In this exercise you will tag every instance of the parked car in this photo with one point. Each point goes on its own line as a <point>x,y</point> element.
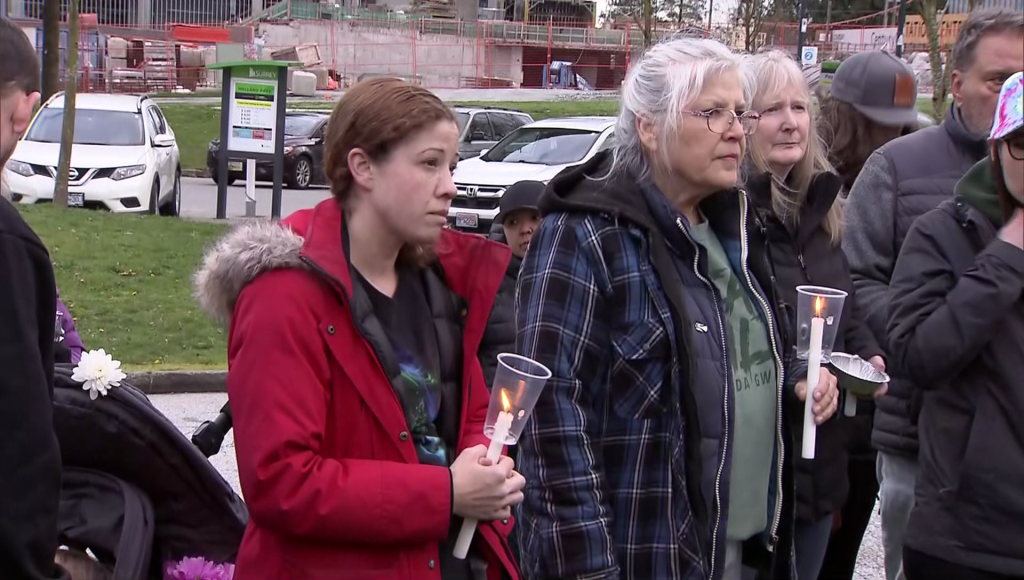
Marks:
<point>303,153</point>
<point>125,157</point>
<point>481,128</point>
<point>537,151</point>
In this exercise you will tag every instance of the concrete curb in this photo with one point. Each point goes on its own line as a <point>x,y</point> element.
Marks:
<point>195,173</point>
<point>168,382</point>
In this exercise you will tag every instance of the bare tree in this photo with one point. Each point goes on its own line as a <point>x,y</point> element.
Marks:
<point>51,48</point>
<point>932,16</point>
<point>67,137</point>
<point>646,13</point>
<point>751,15</point>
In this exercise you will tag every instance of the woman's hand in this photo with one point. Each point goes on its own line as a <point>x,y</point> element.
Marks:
<point>826,396</point>
<point>879,363</point>
<point>484,490</point>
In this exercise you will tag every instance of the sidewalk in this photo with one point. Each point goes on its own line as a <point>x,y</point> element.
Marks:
<point>189,411</point>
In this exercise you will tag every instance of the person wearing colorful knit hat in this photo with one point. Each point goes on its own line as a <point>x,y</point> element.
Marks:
<point>957,327</point>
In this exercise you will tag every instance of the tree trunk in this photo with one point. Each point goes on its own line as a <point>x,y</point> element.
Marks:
<point>51,48</point>
<point>933,23</point>
<point>67,137</point>
<point>648,41</point>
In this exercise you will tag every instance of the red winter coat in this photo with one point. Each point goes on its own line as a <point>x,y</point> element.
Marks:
<point>328,470</point>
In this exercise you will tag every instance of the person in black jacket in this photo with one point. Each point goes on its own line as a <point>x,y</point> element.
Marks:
<point>30,464</point>
<point>518,217</point>
<point>901,181</point>
<point>957,329</point>
<point>796,194</point>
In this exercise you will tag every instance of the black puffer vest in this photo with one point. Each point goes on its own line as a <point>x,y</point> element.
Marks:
<point>805,254</point>
<point>926,165</point>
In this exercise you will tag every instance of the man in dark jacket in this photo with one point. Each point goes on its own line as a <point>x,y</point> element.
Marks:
<point>957,330</point>
<point>518,217</point>
<point>901,181</point>
<point>30,469</point>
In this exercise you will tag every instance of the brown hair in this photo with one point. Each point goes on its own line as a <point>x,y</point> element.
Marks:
<point>375,116</point>
<point>1007,202</point>
<point>850,137</point>
<point>20,68</point>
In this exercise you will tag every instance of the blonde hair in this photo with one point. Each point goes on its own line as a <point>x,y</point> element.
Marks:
<point>769,74</point>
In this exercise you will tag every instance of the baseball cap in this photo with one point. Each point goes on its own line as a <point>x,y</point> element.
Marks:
<point>519,195</point>
<point>1010,110</point>
<point>880,86</point>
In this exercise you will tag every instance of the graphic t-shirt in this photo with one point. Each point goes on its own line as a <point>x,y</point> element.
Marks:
<point>407,321</point>
<point>754,393</point>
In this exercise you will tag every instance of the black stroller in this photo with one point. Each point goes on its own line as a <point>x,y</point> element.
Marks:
<point>136,492</point>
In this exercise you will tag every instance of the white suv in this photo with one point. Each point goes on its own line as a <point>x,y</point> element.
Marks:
<point>538,151</point>
<point>125,157</point>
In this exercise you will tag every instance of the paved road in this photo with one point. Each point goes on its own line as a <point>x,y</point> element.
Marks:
<point>189,411</point>
<point>199,198</point>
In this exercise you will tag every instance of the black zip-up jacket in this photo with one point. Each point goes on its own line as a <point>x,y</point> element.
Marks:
<point>500,334</point>
<point>30,464</point>
<point>805,254</point>
<point>957,329</point>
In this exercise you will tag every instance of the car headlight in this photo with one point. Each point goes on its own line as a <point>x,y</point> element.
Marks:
<point>20,167</point>
<point>126,172</point>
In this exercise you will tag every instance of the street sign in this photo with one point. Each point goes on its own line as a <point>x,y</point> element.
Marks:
<point>809,55</point>
<point>253,111</point>
<point>251,127</point>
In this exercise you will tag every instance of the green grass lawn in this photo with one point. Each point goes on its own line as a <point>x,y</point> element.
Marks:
<point>127,281</point>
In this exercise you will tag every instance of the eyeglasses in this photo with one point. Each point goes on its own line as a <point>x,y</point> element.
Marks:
<point>1015,148</point>
<point>720,120</point>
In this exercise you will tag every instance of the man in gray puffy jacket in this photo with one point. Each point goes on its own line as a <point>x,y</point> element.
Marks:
<point>900,182</point>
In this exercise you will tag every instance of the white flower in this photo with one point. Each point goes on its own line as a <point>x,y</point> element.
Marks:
<point>99,372</point>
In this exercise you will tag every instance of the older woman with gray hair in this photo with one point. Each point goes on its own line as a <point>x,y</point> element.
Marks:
<point>658,448</point>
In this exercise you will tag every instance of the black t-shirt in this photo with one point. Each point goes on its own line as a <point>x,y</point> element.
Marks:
<point>407,320</point>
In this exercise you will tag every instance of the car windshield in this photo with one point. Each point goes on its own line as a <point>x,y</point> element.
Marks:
<point>92,127</point>
<point>543,146</point>
<point>461,119</point>
<point>300,125</point>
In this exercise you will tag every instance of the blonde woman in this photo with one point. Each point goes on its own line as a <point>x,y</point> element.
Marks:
<point>796,194</point>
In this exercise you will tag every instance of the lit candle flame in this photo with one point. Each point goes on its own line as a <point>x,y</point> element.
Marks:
<point>505,403</point>
<point>819,303</point>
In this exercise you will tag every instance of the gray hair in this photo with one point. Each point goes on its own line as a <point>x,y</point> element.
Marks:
<point>980,24</point>
<point>659,87</point>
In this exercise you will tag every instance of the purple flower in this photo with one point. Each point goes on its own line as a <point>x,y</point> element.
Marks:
<point>198,569</point>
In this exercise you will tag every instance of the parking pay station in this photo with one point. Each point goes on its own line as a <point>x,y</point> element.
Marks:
<point>252,126</point>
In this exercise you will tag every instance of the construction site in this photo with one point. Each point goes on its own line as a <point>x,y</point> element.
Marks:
<point>166,45</point>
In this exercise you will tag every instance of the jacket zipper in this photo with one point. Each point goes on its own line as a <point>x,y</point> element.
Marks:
<point>725,399</point>
<point>780,374</point>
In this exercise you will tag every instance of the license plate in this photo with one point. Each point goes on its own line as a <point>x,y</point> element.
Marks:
<point>234,166</point>
<point>466,220</point>
<point>76,199</point>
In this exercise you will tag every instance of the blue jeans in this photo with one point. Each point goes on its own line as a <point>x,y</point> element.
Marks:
<point>810,543</point>
<point>897,476</point>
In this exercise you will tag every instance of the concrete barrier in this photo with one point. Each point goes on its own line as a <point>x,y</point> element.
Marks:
<point>167,382</point>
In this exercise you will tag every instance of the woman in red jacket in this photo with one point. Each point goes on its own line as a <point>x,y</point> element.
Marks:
<point>357,395</point>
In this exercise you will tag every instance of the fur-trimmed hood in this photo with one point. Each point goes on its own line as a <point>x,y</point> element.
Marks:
<point>239,258</point>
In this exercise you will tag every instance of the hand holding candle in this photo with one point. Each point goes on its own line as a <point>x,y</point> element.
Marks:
<point>818,313</point>
<point>517,385</point>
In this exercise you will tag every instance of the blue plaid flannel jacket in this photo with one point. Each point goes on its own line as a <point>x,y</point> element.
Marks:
<point>598,471</point>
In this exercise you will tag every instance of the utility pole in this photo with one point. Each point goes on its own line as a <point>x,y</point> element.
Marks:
<point>901,23</point>
<point>711,12</point>
<point>802,36</point>
<point>828,23</point>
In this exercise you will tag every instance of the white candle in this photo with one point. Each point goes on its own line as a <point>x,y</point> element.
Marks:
<point>813,373</point>
<point>850,406</point>
<point>501,429</point>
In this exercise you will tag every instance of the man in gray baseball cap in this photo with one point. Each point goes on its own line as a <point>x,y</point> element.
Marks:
<point>880,86</point>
